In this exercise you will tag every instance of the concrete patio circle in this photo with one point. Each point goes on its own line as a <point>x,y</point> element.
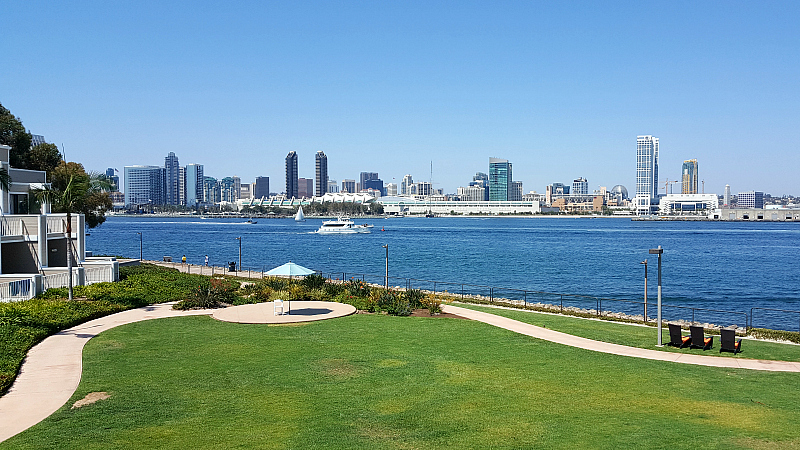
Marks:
<point>299,311</point>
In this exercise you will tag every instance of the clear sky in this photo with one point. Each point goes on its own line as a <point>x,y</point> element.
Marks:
<point>561,89</point>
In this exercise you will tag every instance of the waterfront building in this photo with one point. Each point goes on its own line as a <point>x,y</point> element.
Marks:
<point>144,185</point>
<point>244,191</point>
<point>471,194</point>
<point>481,180</point>
<point>580,187</point>
<point>212,192</point>
<point>349,186</point>
<point>321,173</point>
<point>405,186</point>
<point>727,198</point>
<point>750,199</point>
<point>687,204</point>
<point>237,186</point>
<point>305,187</point>
<point>689,177</point>
<point>516,191</point>
<point>261,189</point>
<point>555,191</point>
<point>423,188</point>
<point>37,139</point>
<point>194,184</point>
<point>646,175</point>
<point>172,171</point>
<point>618,195</point>
<point>532,196</point>
<point>391,189</point>
<point>422,205</point>
<point>333,186</point>
<point>500,177</point>
<point>282,201</point>
<point>581,203</point>
<point>291,175</point>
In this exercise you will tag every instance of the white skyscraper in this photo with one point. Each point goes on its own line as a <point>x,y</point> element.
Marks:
<point>646,175</point>
<point>727,199</point>
<point>405,186</point>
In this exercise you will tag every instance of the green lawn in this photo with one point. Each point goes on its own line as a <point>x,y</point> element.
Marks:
<point>639,336</point>
<point>374,381</point>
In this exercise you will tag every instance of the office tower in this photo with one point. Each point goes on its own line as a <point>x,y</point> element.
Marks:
<point>113,178</point>
<point>173,171</point>
<point>471,194</point>
<point>423,188</point>
<point>322,173</point>
<point>516,191</point>
<point>262,187</point>
<point>481,180</point>
<point>291,175</point>
<point>366,176</point>
<point>750,199</point>
<point>580,187</point>
<point>228,192</point>
<point>646,174</point>
<point>373,183</point>
<point>727,198</point>
<point>144,185</point>
<point>37,139</point>
<point>305,188</point>
<point>237,187</point>
<point>689,177</point>
<point>194,184</point>
<point>349,186</point>
<point>244,191</point>
<point>500,177</point>
<point>405,185</point>
<point>391,189</point>
<point>211,190</point>
<point>333,187</point>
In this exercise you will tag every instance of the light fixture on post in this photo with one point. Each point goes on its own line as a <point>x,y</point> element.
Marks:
<point>645,289</point>
<point>658,251</point>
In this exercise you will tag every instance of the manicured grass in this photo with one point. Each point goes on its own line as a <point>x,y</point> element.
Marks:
<point>375,381</point>
<point>639,336</point>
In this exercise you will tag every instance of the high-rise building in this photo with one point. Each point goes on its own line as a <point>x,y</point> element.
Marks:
<point>244,191</point>
<point>689,177</point>
<point>305,188</point>
<point>500,177</point>
<point>471,194</point>
<point>391,188</point>
<point>516,191</point>
<point>211,190</point>
<point>291,175</point>
<point>173,179</point>
<point>481,180</point>
<point>366,176</point>
<point>349,186</point>
<point>555,191</point>
<point>262,187</point>
<point>113,178</point>
<point>646,175</point>
<point>751,199</point>
<point>37,139</point>
<point>405,185</point>
<point>194,184</point>
<point>228,189</point>
<point>373,183</point>
<point>144,185</point>
<point>321,173</point>
<point>727,198</point>
<point>580,187</point>
<point>333,187</point>
<point>423,188</point>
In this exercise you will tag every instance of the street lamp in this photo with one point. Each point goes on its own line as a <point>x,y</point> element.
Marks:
<point>140,245</point>
<point>240,252</point>
<point>658,251</point>
<point>645,289</point>
<point>386,280</point>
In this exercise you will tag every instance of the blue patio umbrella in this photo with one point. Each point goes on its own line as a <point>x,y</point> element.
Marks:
<point>290,269</point>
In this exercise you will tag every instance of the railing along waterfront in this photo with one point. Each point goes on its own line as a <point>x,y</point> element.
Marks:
<point>558,302</point>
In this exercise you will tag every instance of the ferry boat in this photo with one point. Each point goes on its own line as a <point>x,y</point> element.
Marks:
<point>343,225</point>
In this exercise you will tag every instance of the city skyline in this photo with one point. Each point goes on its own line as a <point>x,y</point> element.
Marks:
<point>558,89</point>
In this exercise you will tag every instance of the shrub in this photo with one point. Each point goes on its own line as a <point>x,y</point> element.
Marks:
<point>280,295</point>
<point>414,298</point>
<point>334,289</point>
<point>432,303</point>
<point>318,295</point>
<point>313,281</point>
<point>213,294</point>
<point>394,304</point>
<point>357,288</point>
<point>276,283</point>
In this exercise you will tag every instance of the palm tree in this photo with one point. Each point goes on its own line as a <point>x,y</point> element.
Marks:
<point>72,187</point>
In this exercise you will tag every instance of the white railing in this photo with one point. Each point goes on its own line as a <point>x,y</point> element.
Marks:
<point>58,280</point>
<point>11,226</point>
<point>56,224</point>
<point>99,274</point>
<point>17,290</point>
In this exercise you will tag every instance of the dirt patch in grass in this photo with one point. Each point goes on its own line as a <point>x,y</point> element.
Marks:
<point>424,313</point>
<point>90,398</point>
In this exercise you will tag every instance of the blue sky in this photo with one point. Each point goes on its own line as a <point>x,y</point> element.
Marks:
<point>561,89</point>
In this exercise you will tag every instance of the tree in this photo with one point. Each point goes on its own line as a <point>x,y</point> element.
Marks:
<point>71,191</point>
<point>45,157</point>
<point>13,134</point>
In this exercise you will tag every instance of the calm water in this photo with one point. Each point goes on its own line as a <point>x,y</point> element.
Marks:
<point>718,265</point>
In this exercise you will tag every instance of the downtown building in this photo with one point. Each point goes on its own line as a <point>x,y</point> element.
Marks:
<point>321,166</point>
<point>145,185</point>
<point>500,177</point>
<point>689,177</point>
<point>647,198</point>
<point>292,187</point>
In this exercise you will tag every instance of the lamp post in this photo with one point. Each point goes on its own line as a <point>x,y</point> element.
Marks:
<point>240,252</point>
<point>141,246</point>
<point>658,251</point>
<point>386,280</point>
<point>645,289</point>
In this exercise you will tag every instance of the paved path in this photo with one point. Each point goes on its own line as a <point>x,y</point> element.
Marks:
<point>301,311</point>
<point>52,369</point>
<point>604,347</point>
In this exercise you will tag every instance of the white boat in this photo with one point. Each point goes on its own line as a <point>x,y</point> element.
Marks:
<point>299,217</point>
<point>343,225</point>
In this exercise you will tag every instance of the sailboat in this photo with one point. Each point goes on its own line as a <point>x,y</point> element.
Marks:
<point>299,217</point>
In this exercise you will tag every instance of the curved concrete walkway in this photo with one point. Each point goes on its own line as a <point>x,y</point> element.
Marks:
<point>297,311</point>
<point>616,349</point>
<point>52,369</point>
